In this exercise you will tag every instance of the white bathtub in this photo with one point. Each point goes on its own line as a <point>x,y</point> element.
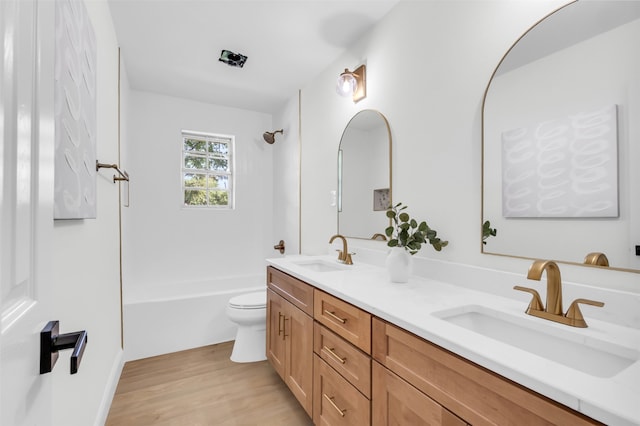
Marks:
<point>171,318</point>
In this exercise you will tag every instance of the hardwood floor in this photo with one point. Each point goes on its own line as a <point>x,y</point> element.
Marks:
<point>202,387</point>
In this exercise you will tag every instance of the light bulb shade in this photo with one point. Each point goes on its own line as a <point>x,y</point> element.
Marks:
<point>346,84</point>
<point>353,83</point>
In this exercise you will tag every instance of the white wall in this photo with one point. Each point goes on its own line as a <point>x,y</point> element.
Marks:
<point>428,64</point>
<point>86,263</point>
<point>286,178</point>
<point>165,243</point>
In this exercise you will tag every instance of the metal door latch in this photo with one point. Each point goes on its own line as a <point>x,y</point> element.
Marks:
<point>51,341</point>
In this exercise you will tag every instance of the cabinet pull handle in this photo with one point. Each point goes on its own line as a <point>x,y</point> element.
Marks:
<point>334,316</point>
<point>280,323</point>
<point>284,327</point>
<point>333,404</point>
<point>335,355</point>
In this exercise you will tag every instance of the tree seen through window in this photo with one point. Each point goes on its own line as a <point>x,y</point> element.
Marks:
<point>207,173</point>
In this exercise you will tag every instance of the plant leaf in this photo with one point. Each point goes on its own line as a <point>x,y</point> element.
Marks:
<point>412,235</point>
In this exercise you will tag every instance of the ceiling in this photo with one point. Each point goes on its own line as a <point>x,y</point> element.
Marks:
<point>172,46</point>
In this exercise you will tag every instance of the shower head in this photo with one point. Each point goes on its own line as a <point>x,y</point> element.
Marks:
<point>270,137</point>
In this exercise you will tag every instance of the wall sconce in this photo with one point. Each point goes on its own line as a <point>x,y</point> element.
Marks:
<point>353,83</point>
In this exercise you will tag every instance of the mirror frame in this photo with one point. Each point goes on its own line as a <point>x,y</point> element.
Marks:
<point>482,166</point>
<point>338,161</point>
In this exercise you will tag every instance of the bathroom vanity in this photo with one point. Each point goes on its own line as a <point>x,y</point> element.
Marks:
<point>356,349</point>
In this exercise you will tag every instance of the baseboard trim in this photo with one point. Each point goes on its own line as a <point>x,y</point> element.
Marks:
<point>110,389</point>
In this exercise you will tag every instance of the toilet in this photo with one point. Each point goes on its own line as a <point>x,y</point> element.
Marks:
<point>249,312</point>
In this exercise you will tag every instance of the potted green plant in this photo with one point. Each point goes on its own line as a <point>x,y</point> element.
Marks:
<point>406,238</point>
<point>488,231</point>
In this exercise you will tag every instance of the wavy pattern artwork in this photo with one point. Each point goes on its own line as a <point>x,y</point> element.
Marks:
<point>565,167</point>
<point>75,112</point>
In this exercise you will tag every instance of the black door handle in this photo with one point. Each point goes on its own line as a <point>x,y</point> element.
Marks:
<point>51,341</point>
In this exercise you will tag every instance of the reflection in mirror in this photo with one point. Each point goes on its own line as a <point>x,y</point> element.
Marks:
<point>569,89</point>
<point>364,176</point>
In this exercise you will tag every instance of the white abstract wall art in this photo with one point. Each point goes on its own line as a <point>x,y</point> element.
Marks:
<point>75,112</point>
<point>565,167</point>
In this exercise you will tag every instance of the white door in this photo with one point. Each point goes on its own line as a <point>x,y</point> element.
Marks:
<point>26,207</point>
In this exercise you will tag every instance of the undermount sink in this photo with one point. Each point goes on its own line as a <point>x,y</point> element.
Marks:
<point>568,347</point>
<point>318,265</point>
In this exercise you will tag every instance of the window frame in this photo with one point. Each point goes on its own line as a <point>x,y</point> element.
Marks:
<point>229,173</point>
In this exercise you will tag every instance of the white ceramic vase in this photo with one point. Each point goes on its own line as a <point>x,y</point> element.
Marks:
<point>399,263</point>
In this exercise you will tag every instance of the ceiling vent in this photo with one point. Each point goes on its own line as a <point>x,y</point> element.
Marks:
<point>232,59</point>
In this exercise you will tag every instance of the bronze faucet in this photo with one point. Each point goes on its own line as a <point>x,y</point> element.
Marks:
<point>343,255</point>
<point>597,259</point>
<point>553,309</point>
<point>554,283</point>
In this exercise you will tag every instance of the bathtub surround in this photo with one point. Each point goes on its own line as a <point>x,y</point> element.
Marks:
<point>196,258</point>
<point>183,315</point>
<point>286,178</point>
<point>166,243</point>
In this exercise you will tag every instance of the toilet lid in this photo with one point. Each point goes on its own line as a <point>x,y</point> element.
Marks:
<point>256,300</point>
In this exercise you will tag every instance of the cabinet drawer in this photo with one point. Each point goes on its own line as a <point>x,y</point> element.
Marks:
<point>473,393</point>
<point>396,402</point>
<point>346,359</point>
<point>335,401</point>
<point>292,289</point>
<point>349,322</point>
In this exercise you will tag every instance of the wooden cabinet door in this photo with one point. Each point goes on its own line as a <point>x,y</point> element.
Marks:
<point>290,347</point>
<point>298,329</point>
<point>276,344</point>
<point>397,403</point>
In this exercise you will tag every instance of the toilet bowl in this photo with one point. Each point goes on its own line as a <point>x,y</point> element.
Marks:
<point>249,312</point>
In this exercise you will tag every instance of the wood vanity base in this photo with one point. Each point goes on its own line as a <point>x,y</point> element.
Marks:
<point>347,367</point>
<point>473,393</point>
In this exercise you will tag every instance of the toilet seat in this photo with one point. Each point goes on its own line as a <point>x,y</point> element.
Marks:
<point>255,300</point>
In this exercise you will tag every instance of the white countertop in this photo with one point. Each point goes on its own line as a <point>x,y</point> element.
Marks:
<point>612,400</point>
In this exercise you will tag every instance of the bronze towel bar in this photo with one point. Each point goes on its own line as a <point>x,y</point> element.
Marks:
<point>123,174</point>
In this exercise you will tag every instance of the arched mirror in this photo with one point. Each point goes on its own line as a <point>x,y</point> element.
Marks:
<point>561,138</point>
<point>364,176</point>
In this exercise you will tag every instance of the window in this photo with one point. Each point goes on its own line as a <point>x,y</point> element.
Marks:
<point>207,170</point>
